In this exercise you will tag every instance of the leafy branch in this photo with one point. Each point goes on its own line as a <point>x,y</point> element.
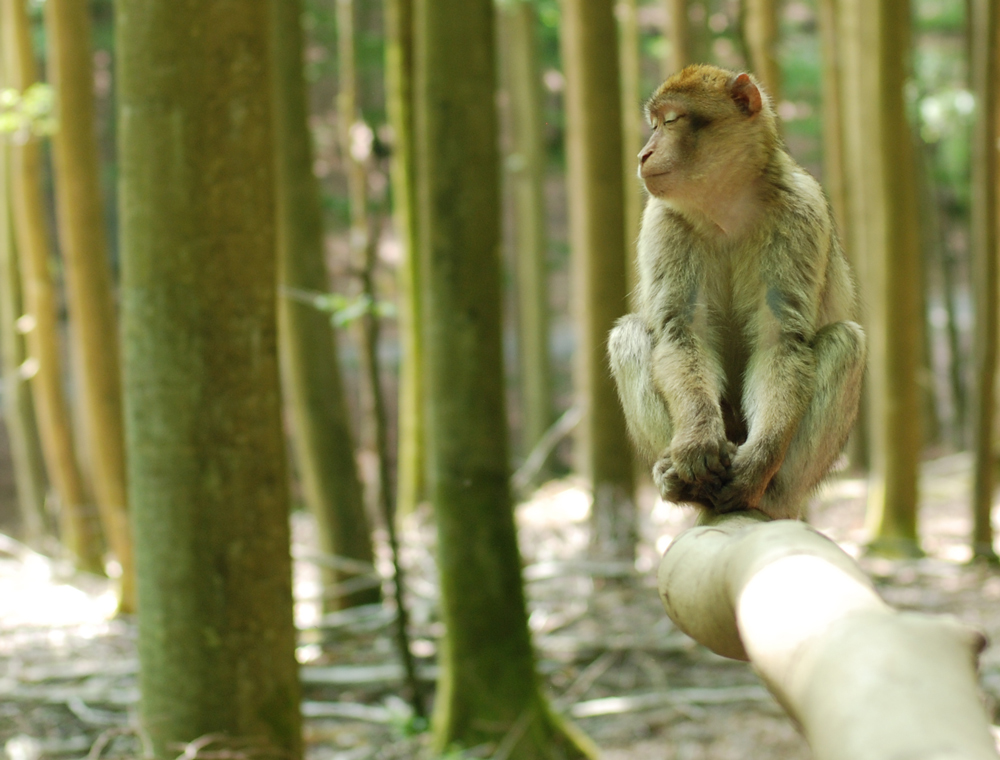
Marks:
<point>343,310</point>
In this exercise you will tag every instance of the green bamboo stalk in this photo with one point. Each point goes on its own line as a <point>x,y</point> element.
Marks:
<point>79,530</point>
<point>83,241</point>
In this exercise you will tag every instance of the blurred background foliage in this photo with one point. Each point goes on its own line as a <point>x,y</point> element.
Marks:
<point>942,108</point>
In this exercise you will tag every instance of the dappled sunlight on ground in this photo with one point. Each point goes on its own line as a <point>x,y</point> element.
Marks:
<point>37,591</point>
<point>555,503</point>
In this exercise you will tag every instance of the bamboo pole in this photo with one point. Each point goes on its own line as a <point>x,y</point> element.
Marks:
<point>883,236</point>
<point>589,40</point>
<point>80,534</point>
<point>633,130</point>
<point>985,64</point>
<point>323,443</point>
<point>679,53</point>
<point>411,481</point>
<point>363,244</point>
<point>18,409</point>
<point>83,240</point>
<point>526,175</point>
<point>761,28</point>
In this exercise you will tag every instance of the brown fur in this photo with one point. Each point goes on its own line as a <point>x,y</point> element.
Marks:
<point>740,373</point>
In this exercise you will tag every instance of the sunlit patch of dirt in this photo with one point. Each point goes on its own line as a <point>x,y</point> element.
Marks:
<point>609,656</point>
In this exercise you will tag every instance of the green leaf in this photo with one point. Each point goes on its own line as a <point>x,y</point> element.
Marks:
<point>352,311</point>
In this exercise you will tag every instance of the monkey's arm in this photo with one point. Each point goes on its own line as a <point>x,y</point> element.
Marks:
<point>687,373</point>
<point>683,370</point>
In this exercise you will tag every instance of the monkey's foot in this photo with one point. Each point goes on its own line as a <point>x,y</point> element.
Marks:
<point>673,488</point>
<point>739,493</point>
<point>701,459</point>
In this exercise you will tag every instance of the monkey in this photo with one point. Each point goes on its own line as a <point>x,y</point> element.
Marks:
<point>740,370</point>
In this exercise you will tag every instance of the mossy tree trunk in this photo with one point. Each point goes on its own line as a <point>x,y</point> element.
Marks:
<point>323,443</point>
<point>79,529</point>
<point>526,176</point>
<point>83,241</point>
<point>412,465</point>
<point>985,175</point>
<point>884,232</point>
<point>488,691</point>
<point>207,477</point>
<point>761,25</point>
<point>597,236</point>
<point>18,409</point>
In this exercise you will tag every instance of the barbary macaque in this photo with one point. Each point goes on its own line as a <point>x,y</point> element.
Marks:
<point>740,372</point>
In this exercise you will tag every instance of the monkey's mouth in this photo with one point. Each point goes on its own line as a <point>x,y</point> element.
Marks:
<point>658,179</point>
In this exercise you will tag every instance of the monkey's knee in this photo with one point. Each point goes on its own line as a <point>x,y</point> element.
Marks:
<point>630,348</point>
<point>840,350</point>
<point>841,346</point>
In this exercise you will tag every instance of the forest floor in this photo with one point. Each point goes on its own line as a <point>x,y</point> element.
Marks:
<point>610,657</point>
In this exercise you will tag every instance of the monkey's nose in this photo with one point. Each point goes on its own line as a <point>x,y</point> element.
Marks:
<point>643,155</point>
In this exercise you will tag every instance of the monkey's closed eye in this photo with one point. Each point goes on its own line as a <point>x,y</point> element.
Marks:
<point>671,118</point>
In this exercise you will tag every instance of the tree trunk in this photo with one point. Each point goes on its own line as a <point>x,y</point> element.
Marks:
<point>80,531</point>
<point>931,423</point>
<point>18,409</point>
<point>985,175</point>
<point>863,681</point>
<point>836,173</point>
<point>488,690</point>
<point>597,234</point>
<point>761,24</point>
<point>207,477</point>
<point>411,481</point>
<point>93,323</point>
<point>834,168</point>
<point>634,131</point>
<point>363,242</point>
<point>948,262</point>
<point>956,362</point>
<point>679,53</point>
<point>526,175</point>
<point>322,439</point>
<point>884,205</point>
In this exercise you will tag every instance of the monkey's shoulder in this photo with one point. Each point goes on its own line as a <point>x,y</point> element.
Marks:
<point>796,198</point>
<point>667,241</point>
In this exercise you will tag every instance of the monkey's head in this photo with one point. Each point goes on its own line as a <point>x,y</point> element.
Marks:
<point>712,129</point>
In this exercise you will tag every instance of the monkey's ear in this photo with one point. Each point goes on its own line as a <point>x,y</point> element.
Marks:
<point>745,94</point>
